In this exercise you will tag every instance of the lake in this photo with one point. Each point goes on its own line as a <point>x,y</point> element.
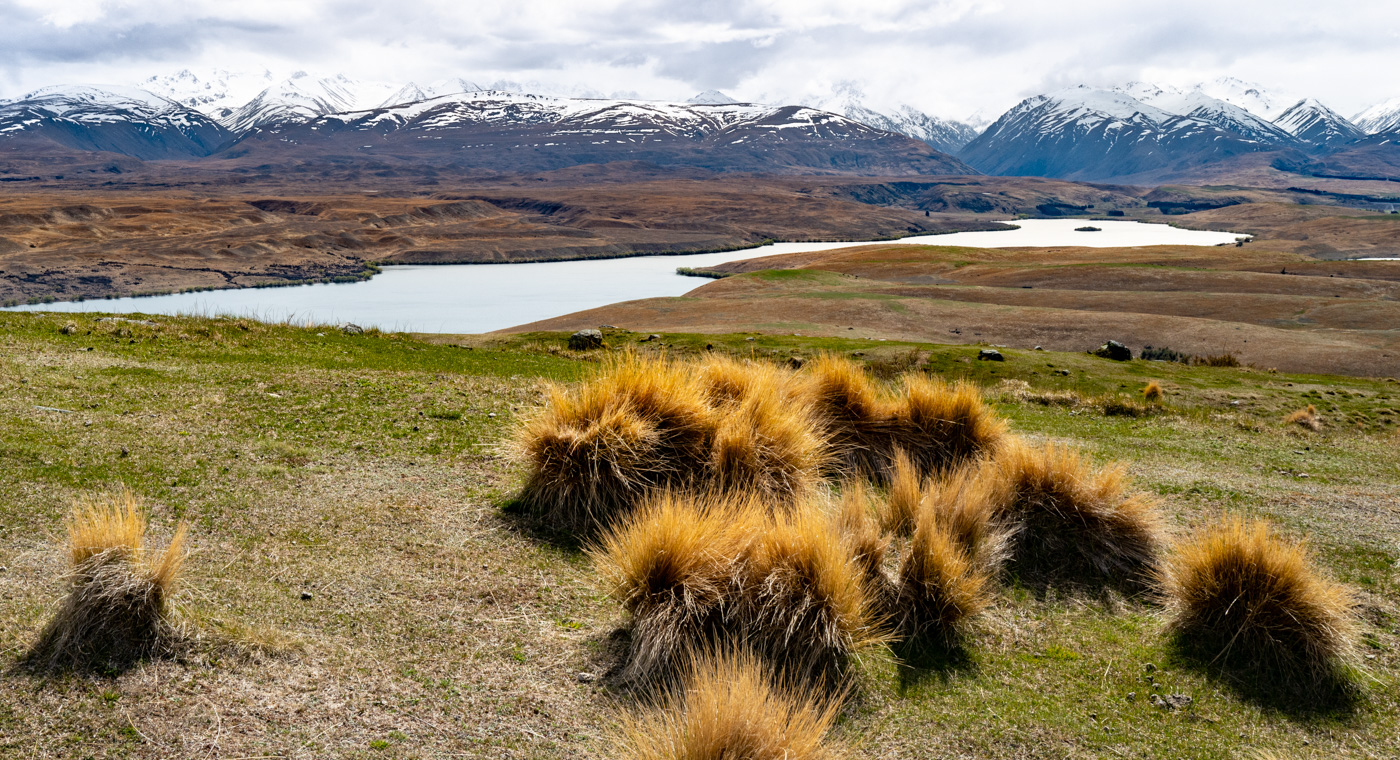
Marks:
<point>475,298</point>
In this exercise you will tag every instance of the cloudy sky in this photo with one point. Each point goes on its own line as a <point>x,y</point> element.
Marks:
<point>948,57</point>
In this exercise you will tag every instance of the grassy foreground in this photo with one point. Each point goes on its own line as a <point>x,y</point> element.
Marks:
<point>359,592</point>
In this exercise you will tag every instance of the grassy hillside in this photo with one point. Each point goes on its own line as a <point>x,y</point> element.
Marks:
<point>358,590</point>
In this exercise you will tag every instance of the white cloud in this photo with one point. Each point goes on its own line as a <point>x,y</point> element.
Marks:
<point>950,57</point>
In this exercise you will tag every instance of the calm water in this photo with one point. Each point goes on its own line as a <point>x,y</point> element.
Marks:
<point>474,298</point>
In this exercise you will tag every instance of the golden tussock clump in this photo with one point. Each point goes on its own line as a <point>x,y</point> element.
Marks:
<point>1070,520</point>
<point>732,707</point>
<point>938,426</point>
<point>858,526</point>
<point>598,448</point>
<point>904,498</point>
<point>117,607</point>
<point>643,423</point>
<point>1152,393</point>
<point>940,586</point>
<point>1239,595</point>
<point>672,564</point>
<point>969,504</point>
<point>804,601</point>
<point>1304,418</point>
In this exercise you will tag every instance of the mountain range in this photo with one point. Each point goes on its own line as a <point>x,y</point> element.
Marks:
<point>1137,131</point>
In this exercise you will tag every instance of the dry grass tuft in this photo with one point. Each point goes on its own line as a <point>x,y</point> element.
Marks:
<point>943,426</point>
<point>732,708</point>
<point>768,446</point>
<point>117,608</point>
<point>1071,521</point>
<point>1152,392</point>
<point>672,564</point>
<point>941,588</point>
<point>857,523</point>
<point>968,505</point>
<point>1240,596</point>
<point>804,600</point>
<point>1305,418</point>
<point>597,449</point>
<point>906,495</point>
<point>938,426</point>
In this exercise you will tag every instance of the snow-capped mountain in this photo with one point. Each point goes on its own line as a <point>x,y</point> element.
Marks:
<point>1196,104</point>
<point>413,92</point>
<point>1316,124</point>
<point>1254,98</point>
<point>848,99</point>
<point>711,98</point>
<point>303,97</point>
<point>112,118</point>
<point>1086,133</point>
<point>215,93</point>
<point>1379,118</point>
<point>517,132</point>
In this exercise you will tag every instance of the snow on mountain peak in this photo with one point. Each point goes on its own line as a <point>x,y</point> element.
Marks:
<point>1313,122</point>
<point>712,98</point>
<point>1381,117</point>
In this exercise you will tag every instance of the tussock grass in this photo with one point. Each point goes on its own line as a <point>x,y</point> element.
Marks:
<point>642,424</point>
<point>968,504</point>
<point>117,607</point>
<point>941,588</point>
<point>1071,521</point>
<point>1304,418</point>
<point>1152,393</point>
<point>1243,598</point>
<point>598,448</point>
<point>804,600</point>
<point>859,526</point>
<point>672,564</point>
<point>733,707</point>
<point>905,497</point>
<point>937,425</point>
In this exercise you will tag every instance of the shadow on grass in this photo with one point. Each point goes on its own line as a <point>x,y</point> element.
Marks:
<point>925,661</point>
<point>519,517</point>
<point>1294,690</point>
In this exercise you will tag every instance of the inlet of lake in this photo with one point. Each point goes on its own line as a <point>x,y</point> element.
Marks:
<point>476,298</point>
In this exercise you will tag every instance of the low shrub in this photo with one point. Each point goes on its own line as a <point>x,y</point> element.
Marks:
<point>1218,360</point>
<point>117,608</point>
<point>1163,354</point>
<point>1241,597</point>
<point>733,707</point>
<point>1152,393</point>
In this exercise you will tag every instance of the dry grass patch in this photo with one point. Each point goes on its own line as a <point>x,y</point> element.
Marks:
<point>1152,393</point>
<point>117,608</point>
<point>1244,599</point>
<point>732,708</point>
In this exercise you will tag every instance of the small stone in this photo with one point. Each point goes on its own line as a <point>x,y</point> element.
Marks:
<point>587,677</point>
<point>125,453</point>
<point>1149,667</point>
<point>491,415</point>
<point>1115,351</point>
<point>1063,372</point>
<point>653,336</point>
<point>88,423</point>
<point>320,335</point>
<point>607,327</point>
<point>709,346</point>
<point>69,329</point>
<point>1038,348</point>
<point>305,596</point>
<point>350,328</point>
<point>750,339</point>
<point>794,362</point>
<point>990,355</point>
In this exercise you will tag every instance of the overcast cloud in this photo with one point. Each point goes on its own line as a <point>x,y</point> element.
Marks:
<point>948,57</point>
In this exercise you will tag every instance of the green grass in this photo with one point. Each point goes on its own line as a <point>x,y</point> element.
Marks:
<point>367,471</point>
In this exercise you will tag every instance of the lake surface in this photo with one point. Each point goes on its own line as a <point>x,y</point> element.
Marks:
<point>475,298</point>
